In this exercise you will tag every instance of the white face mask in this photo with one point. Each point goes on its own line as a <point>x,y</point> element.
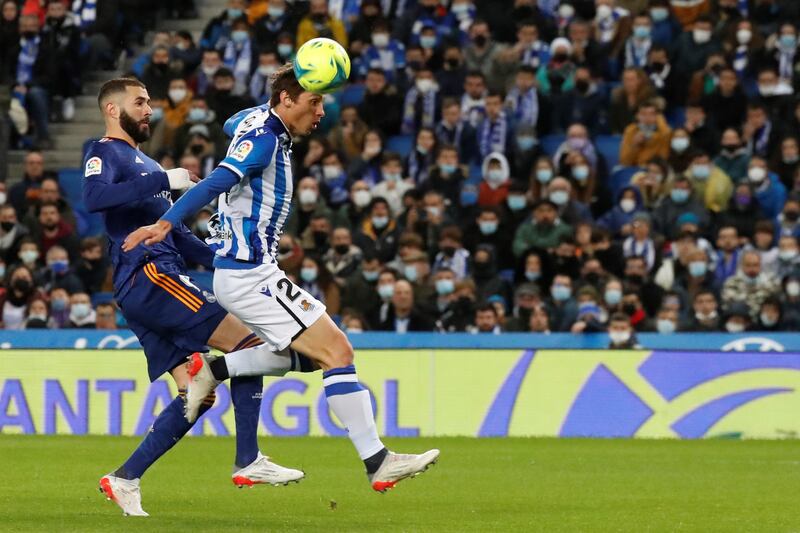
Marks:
<point>793,289</point>
<point>744,36</point>
<point>331,171</point>
<point>3,198</point>
<point>734,327</point>
<point>307,196</point>
<point>706,316</point>
<point>603,12</point>
<point>425,85</point>
<point>362,198</point>
<point>627,205</point>
<point>267,70</point>
<point>177,95</point>
<point>701,36</point>
<point>381,40</point>
<point>619,337</point>
<point>756,174</point>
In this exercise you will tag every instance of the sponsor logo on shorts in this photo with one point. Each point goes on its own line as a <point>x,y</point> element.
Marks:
<point>94,166</point>
<point>305,305</point>
<point>241,152</point>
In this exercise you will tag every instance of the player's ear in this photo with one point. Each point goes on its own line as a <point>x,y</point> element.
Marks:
<point>112,109</point>
<point>286,99</point>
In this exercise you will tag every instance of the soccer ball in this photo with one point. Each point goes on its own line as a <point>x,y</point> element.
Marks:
<point>321,65</point>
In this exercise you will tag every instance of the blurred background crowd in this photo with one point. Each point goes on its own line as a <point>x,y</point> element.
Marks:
<point>514,165</point>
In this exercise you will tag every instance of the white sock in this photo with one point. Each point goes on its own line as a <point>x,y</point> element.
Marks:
<point>352,406</point>
<point>260,361</point>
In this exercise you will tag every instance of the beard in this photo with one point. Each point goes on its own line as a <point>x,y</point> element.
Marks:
<point>139,131</point>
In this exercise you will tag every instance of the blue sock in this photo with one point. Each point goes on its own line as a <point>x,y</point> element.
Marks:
<point>246,396</point>
<point>167,430</point>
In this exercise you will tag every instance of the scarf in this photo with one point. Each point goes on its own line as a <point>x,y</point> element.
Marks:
<point>636,52</point>
<point>450,136</point>
<point>524,107</point>
<point>740,60</point>
<point>659,78</point>
<point>725,270</point>
<point>418,166</point>
<point>86,11</point>
<point>473,110</point>
<point>238,60</point>
<point>744,9</point>
<point>28,51</point>
<point>608,26</point>
<point>761,139</point>
<point>419,110</point>
<point>536,55</point>
<point>646,250</point>
<point>786,62</point>
<point>492,135</point>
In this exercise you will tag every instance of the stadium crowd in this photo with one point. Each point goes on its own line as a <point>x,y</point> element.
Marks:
<point>518,165</point>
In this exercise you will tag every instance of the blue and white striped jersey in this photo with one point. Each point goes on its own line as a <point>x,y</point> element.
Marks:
<point>252,213</point>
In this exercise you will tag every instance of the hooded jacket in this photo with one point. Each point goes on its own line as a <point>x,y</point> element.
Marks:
<point>614,219</point>
<point>491,194</point>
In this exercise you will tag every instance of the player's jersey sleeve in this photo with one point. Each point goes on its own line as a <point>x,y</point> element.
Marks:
<point>102,188</point>
<point>251,154</point>
<point>233,122</point>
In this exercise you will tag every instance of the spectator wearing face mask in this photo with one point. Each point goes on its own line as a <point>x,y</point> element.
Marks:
<point>709,182</point>
<point>562,306</point>
<point>737,318</point>
<point>57,273</point>
<point>378,234</point>
<point>448,175</point>
<point>202,80</point>
<point>318,23</point>
<point>217,32</point>
<point>493,189</point>
<point>618,220</point>
<point>452,255</point>
<point>352,213</point>
<point>81,314</point>
<point>384,52</point>
<point>158,74</point>
<point>392,187</point>
<point>319,283</point>
<point>626,100</point>
<point>306,204</point>
<point>15,298</point>
<point>37,316</point>
<point>681,199</point>
<point>544,230</point>
<point>705,317</point>
<point>359,290</point>
<point>767,187</point>
<point>221,98</point>
<point>558,74</point>
<point>343,257</point>
<point>733,158</point>
<point>692,48</point>
<point>199,114</point>
<point>11,234</point>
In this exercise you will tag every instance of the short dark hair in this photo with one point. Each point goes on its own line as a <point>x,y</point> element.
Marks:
<point>284,80</point>
<point>116,86</point>
<point>620,317</point>
<point>486,306</point>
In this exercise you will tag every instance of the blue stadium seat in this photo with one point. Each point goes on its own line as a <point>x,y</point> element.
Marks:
<point>352,94</point>
<point>550,143</point>
<point>71,182</point>
<point>608,147</point>
<point>676,117</point>
<point>400,144</point>
<point>620,178</point>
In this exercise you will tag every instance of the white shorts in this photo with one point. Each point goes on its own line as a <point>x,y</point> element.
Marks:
<point>267,302</point>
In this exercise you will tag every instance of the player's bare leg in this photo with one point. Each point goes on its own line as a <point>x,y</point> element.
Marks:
<point>328,345</point>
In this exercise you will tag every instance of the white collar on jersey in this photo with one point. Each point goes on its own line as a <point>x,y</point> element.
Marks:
<point>274,114</point>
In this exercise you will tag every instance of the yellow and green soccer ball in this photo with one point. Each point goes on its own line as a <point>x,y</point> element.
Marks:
<point>321,65</point>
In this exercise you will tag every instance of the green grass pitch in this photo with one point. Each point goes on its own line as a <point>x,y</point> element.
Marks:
<point>508,485</point>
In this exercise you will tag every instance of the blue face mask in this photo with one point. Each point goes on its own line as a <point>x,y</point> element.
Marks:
<point>285,49</point>
<point>613,296</point>
<point>665,326</point>
<point>447,168</point>
<point>580,172</point>
<point>427,41</point>
<point>157,114</point>
<point>659,14</point>
<point>445,287</point>
<point>697,269</point>
<point>59,267</point>
<point>239,36</point>
<point>788,41</point>
<point>308,274</point>
<point>234,13</point>
<point>515,203</point>
<point>561,292</point>
<point>641,32</point>
<point>371,275</point>
<point>58,305</point>
<point>197,114</point>
<point>410,273</point>
<point>544,175</point>
<point>469,197</point>
<point>526,142</point>
<point>532,276</point>
<point>488,227</point>
<point>386,291</point>
<point>679,196</point>
<point>275,12</point>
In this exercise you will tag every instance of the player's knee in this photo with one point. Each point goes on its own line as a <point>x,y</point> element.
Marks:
<point>340,351</point>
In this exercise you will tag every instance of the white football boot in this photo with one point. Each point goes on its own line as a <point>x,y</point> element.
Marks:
<point>123,492</point>
<point>397,467</point>
<point>201,383</point>
<point>264,471</point>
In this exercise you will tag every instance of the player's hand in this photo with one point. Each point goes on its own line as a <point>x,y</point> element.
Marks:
<point>151,234</point>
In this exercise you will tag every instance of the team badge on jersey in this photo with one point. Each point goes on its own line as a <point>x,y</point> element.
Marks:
<point>305,305</point>
<point>94,166</point>
<point>242,151</point>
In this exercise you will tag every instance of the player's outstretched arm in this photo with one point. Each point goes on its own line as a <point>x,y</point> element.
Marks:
<point>220,180</point>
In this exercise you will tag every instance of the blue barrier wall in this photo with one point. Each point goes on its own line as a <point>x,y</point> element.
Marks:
<point>776,342</point>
